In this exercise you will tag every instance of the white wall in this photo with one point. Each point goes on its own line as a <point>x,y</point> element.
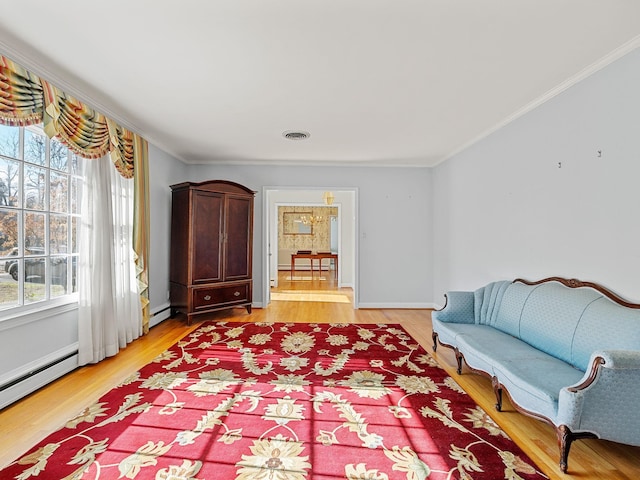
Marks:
<point>504,209</point>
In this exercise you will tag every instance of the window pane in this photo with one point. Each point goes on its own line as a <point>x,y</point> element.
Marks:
<point>12,266</point>
<point>34,233</point>
<point>77,163</point>
<point>35,147</point>
<point>8,293</point>
<point>8,286</point>
<point>58,229</point>
<point>59,192</point>
<point>34,280</point>
<point>74,273</point>
<point>9,182</point>
<point>58,269</point>
<point>9,141</point>
<point>76,183</point>
<point>59,157</point>
<point>74,234</point>
<point>8,232</point>
<point>35,187</point>
<point>35,269</point>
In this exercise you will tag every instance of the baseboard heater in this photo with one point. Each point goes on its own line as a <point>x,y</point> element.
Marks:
<point>36,371</point>
<point>161,313</point>
<point>16,385</point>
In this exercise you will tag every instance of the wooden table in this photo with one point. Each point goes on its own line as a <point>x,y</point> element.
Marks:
<point>314,256</point>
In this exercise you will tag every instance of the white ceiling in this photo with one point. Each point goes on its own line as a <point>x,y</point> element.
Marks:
<point>375,82</point>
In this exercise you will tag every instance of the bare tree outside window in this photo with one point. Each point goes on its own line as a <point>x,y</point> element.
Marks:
<point>35,147</point>
<point>59,157</point>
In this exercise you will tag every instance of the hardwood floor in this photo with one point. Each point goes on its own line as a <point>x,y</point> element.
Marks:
<point>28,421</point>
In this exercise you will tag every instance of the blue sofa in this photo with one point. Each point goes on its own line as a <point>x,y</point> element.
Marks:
<point>566,352</point>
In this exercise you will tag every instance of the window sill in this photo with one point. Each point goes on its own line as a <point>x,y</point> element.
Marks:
<point>33,313</point>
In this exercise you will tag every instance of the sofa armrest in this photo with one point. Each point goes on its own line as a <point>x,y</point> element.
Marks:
<point>604,402</point>
<point>619,359</point>
<point>611,359</point>
<point>458,309</point>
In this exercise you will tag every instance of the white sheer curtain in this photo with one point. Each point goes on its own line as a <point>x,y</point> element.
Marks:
<point>109,313</point>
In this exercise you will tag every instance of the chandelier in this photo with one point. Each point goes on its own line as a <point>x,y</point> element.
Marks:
<point>311,219</point>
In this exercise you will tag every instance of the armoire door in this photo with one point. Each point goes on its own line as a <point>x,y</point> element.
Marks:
<point>239,230</point>
<point>207,222</point>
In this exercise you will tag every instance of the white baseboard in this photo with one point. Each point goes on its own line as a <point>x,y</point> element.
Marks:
<point>389,306</point>
<point>28,368</point>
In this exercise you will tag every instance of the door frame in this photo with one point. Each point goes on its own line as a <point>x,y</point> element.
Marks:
<point>294,196</point>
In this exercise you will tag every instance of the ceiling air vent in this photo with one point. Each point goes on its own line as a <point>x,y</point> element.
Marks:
<point>296,135</point>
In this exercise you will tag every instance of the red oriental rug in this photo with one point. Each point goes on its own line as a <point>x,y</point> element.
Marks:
<point>274,401</point>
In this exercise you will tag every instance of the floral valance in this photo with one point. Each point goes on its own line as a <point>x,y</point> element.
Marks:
<point>26,99</point>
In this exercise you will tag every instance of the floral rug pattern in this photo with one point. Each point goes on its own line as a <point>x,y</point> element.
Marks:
<point>275,401</point>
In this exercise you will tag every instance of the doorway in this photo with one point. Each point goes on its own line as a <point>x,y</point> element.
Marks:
<point>340,238</point>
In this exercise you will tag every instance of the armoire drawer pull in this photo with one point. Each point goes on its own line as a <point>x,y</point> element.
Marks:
<point>237,294</point>
<point>207,297</point>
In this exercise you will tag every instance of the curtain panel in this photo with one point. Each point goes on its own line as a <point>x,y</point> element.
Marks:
<point>141,231</point>
<point>109,304</point>
<point>26,99</point>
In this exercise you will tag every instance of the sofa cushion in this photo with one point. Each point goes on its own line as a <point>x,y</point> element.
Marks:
<point>513,300</point>
<point>545,316</point>
<point>551,315</point>
<point>482,346</point>
<point>536,383</point>
<point>448,332</point>
<point>487,302</point>
<point>605,325</point>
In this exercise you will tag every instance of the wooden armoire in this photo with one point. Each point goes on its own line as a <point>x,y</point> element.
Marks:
<point>211,247</point>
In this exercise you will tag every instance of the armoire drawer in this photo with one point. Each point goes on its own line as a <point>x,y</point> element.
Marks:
<point>207,297</point>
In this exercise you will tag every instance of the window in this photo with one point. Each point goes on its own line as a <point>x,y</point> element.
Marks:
<point>40,191</point>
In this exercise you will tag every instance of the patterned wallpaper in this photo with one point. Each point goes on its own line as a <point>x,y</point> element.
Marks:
<point>320,240</point>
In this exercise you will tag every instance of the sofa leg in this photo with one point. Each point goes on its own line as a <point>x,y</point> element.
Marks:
<point>497,389</point>
<point>434,336</point>
<point>459,358</point>
<point>564,443</point>
<point>565,439</point>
